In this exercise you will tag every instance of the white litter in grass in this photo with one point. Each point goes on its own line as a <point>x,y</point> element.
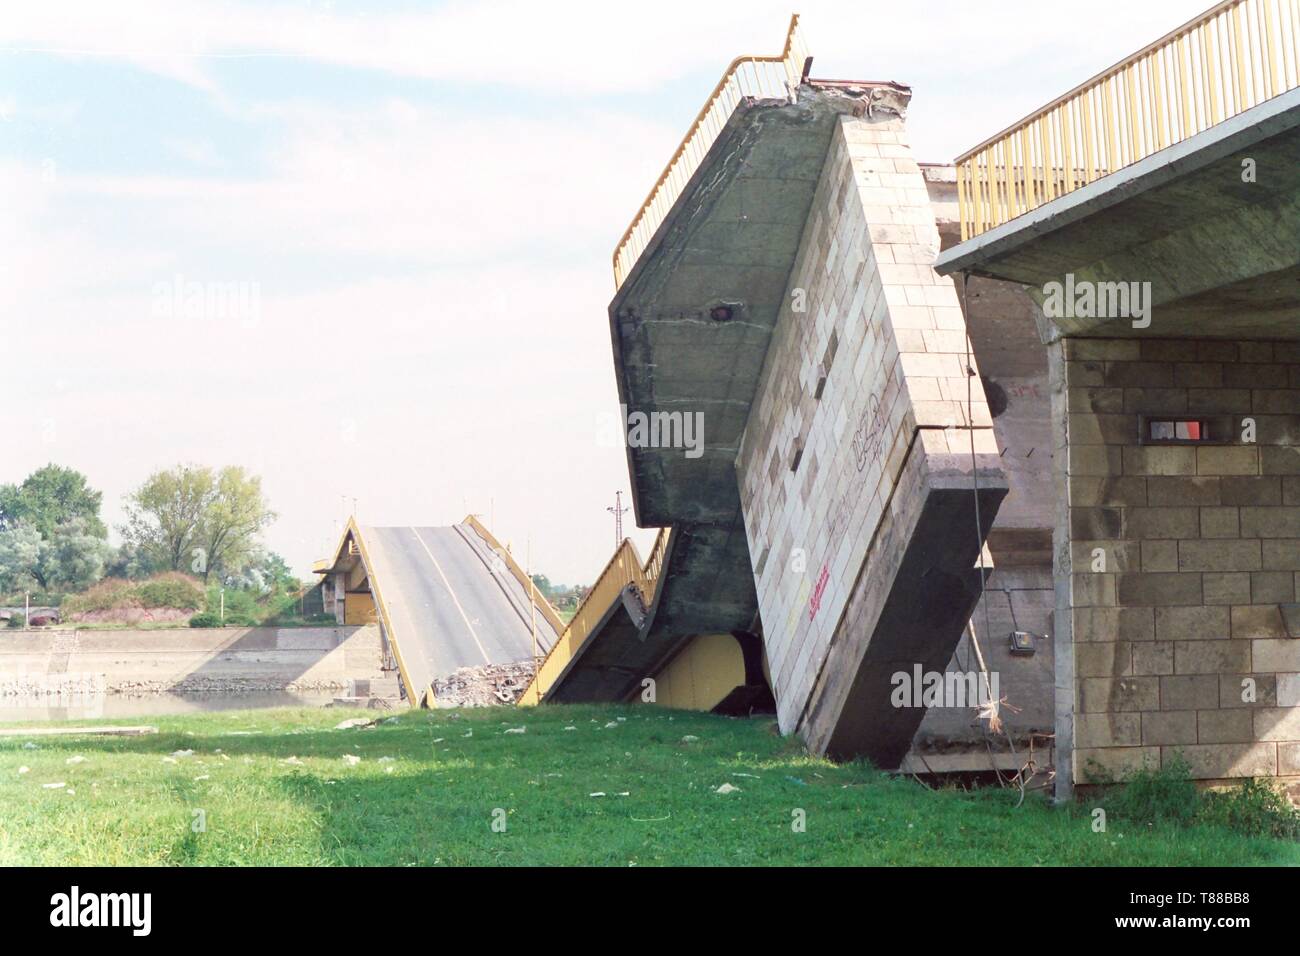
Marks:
<point>77,759</point>
<point>690,739</point>
<point>570,728</point>
<point>182,753</point>
<point>293,760</point>
<point>752,776</point>
<point>53,786</point>
<point>23,770</point>
<point>612,723</point>
<point>388,770</point>
<point>201,777</point>
<point>438,740</point>
<point>351,759</point>
<point>385,759</point>
<point>515,730</point>
<point>30,746</point>
<point>598,793</point>
<point>727,788</point>
<point>352,722</point>
<point>469,734</point>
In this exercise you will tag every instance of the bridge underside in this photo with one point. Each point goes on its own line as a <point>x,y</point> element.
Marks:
<point>1212,223</point>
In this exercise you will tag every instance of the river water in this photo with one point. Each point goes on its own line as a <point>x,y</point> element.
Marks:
<point>87,706</point>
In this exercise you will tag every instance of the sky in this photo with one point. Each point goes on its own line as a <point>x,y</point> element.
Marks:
<point>363,249</point>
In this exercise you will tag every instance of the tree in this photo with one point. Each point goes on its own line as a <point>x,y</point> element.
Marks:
<point>193,519</point>
<point>20,555</point>
<point>73,556</point>
<point>50,497</point>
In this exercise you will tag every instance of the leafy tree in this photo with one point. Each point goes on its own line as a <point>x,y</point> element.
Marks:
<point>20,555</point>
<point>195,519</point>
<point>50,497</point>
<point>70,558</point>
<point>73,556</point>
<point>129,562</point>
<point>265,572</point>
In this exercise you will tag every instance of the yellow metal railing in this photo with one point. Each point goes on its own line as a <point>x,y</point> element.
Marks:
<point>1234,56</point>
<point>624,568</point>
<point>746,77</point>
<point>536,597</point>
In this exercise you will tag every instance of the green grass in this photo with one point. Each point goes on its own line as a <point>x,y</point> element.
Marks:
<point>434,802</point>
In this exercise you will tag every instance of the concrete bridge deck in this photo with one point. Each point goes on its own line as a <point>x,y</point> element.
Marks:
<point>445,598</point>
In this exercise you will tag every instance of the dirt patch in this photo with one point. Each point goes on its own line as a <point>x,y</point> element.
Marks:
<point>483,686</point>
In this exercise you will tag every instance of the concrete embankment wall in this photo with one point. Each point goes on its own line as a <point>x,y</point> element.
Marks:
<point>190,659</point>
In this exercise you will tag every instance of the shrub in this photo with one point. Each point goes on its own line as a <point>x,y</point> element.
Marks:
<point>170,590</point>
<point>205,619</point>
<point>1256,808</point>
<point>1165,795</point>
<point>16,620</point>
<point>108,595</point>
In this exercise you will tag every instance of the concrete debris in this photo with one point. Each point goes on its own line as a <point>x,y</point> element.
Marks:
<point>353,722</point>
<point>485,686</point>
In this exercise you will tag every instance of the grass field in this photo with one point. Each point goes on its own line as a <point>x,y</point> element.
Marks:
<point>429,787</point>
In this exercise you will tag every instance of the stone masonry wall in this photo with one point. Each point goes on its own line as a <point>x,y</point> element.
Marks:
<point>870,373</point>
<point>1202,549</point>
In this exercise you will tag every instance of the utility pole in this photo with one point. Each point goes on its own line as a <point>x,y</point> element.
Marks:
<point>618,510</point>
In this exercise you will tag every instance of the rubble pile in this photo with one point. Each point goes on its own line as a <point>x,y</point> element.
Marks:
<point>483,686</point>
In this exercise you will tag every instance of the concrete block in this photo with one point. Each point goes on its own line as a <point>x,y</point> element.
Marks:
<point>1220,555</point>
<point>1158,590</point>
<point>1150,658</point>
<point>1227,460</point>
<point>1218,761</point>
<point>1109,764</point>
<point>1193,623</point>
<point>1258,621</point>
<point>1189,692</point>
<point>1234,689</point>
<point>1101,694</point>
<point>1159,460</point>
<point>1275,656</point>
<point>1261,490</point>
<point>1220,523</point>
<point>1226,588</point>
<point>1108,730</point>
<point>1212,657</point>
<point>1169,727</point>
<point>1224,727</point>
<point>1164,491</point>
